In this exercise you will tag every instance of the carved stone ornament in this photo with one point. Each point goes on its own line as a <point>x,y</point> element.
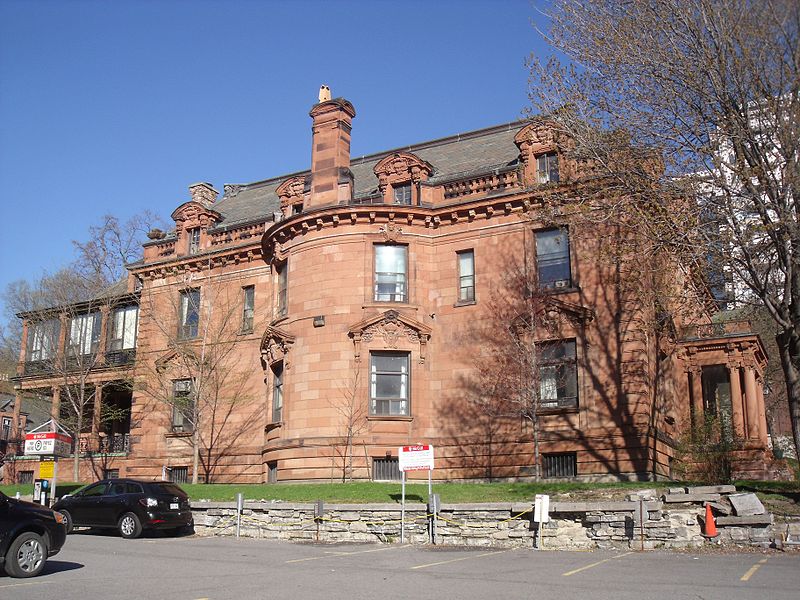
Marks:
<point>401,167</point>
<point>290,191</point>
<point>193,214</point>
<point>232,189</point>
<point>535,138</point>
<point>391,330</point>
<point>275,345</point>
<point>390,232</point>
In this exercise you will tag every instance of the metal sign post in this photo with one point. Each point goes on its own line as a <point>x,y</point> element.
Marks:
<point>412,458</point>
<point>239,508</point>
<point>541,515</point>
<point>403,509</point>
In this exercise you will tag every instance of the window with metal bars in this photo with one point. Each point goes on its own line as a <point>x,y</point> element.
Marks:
<point>272,472</point>
<point>179,474</point>
<point>386,469</point>
<point>110,473</point>
<point>564,464</point>
<point>25,477</point>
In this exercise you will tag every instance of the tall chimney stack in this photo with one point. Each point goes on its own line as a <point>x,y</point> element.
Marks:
<point>331,178</point>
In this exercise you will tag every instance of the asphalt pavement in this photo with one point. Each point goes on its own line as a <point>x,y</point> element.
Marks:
<point>99,566</point>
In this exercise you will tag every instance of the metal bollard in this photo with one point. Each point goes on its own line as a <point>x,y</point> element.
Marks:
<point>239,509</point>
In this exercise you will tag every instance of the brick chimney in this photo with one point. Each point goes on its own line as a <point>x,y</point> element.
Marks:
<point>203,193</point>
<point>331,178</point>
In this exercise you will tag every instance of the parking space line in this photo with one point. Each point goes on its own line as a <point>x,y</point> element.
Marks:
<point>599,562</point>
<point>332,554</point>
<point>10,585</point>
<point>752,570</point>
<point>447,562</point>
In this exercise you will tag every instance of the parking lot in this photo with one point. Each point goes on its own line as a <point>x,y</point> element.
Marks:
<point>96,566</point>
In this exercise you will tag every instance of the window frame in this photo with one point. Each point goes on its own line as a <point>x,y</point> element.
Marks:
<point>400,278</point>
<point>117,339</point>
<point>402,401</point>
<point>470,299</point>
<point>189,307</point>
<point>182,420</point>
<point>566,374</point>
<point>248,308</point>
<point>550,172</point>
<point>85,339</point>
<point>42,341</point>
<point>277,391</point>
<point>193,236</point>
<point>402,194</point>
<point>282,289</point>
<point>552,260</point>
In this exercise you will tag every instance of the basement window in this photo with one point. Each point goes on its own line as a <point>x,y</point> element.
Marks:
<point>386,469</point>
<point>564,464</point>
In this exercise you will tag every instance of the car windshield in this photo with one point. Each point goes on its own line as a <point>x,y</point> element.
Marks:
<point>167,488</point>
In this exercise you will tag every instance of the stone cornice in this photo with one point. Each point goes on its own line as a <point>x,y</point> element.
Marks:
<point>397,215</point>
<point>194,263</point>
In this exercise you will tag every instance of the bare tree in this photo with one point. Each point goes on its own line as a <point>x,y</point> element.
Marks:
<point>513,377</point>
<point>112,245</point>
<point>197,371</point>
<point>712,87</point>
<point>351,413</point>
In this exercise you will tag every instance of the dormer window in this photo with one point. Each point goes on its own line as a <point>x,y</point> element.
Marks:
<point>402,193</point>
<point>194,240</point>
<point>547,168</point>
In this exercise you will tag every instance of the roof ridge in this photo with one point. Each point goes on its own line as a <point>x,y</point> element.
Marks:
<point>467,135</point>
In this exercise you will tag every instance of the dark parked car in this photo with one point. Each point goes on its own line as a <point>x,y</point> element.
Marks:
<point>128,505</point>
<point>29,534</point>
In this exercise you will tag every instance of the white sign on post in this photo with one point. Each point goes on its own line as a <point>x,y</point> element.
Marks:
<point>48,443</point>
<point>415,458</point>
<point>541,509</point>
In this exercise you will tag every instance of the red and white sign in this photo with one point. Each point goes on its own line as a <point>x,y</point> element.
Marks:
<point>48,443</point>
<point>416,458</point>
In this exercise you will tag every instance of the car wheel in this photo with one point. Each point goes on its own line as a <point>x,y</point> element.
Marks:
<point>129,526</point>
<point>26,556</point>
<point>67,520</point>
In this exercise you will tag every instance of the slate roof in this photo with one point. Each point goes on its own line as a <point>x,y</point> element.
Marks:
<point>478,151</point>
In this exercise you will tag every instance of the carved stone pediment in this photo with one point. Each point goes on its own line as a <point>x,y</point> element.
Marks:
<point>291,191</point>
<point>535,138</point>
<point>275,345</point>
<point>174,357</point>
<point>401,167</point>
<point>194,214</point>
<point>551,313</point>
<point>391,330</point>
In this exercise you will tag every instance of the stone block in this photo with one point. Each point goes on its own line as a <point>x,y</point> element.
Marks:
<point>746,504</point>
<point>674,498</point>
<point>676,490</point>
<point>765,519</point>
<point>648,494</point>
<point>712,489</point>
<point>721,508</point>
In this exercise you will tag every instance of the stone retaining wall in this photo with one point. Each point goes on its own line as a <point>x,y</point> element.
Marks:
<point>648,525</point>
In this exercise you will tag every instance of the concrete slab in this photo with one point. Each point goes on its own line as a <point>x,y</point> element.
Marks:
<point>712,489</point>
<point>746,504</point>
<point>673,498</point>
<point>765,519</point>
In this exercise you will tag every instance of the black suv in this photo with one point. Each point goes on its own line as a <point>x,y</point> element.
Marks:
<point>29,534</point>
<point>128,505</point>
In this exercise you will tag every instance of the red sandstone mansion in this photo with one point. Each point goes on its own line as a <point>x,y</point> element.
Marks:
<point>303,327</point>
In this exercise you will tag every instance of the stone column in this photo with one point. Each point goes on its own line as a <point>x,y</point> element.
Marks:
<point>55,408</point>
<point>696,382</point>
<point>105,317</point>
<point>751,402</point>
<point>23,348</point>
<point>762,411</point>
<point>17,430</point>
<point>98,407</point>
<point>737,405</point>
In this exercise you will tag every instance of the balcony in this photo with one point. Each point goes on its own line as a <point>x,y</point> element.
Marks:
<point>121,357</point>
<point>117,444</point>
<point>716,330</point>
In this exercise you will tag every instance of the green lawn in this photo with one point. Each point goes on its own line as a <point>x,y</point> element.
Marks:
<point>367,492</point>
<point>451,493</point>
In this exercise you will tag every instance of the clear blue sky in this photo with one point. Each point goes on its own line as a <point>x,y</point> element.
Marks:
<point>117,106</point>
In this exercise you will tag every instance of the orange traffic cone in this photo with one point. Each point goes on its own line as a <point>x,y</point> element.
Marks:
<point>710,524</point>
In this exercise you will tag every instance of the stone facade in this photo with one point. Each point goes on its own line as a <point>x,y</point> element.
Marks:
<point>322,319</point>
